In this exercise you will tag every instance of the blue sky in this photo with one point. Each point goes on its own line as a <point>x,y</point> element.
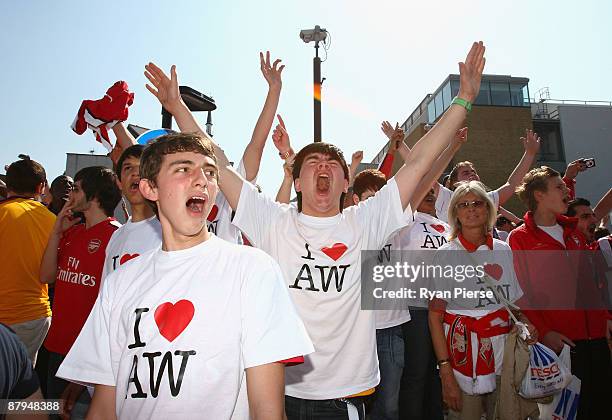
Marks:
<point>385,57</point>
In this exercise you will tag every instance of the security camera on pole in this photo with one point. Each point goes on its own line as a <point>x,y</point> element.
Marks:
<point>317,35</point>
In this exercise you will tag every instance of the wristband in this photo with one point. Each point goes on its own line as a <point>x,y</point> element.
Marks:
<point>443,362</point>
<point>462,102</point>
<point>285,155</point>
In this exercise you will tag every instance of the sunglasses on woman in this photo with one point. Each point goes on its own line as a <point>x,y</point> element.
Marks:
<point>475,204</point>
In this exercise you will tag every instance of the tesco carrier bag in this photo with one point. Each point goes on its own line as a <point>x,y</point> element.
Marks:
<point>546,374</point>
<point>564,405</point>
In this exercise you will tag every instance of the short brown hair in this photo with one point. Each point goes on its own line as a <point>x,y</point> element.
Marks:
<point>24,176</point>
<point>368,179</point>
<point>535,180</point>
<point>453,177</point>
<point>152,156</point>
<point>325,149</point>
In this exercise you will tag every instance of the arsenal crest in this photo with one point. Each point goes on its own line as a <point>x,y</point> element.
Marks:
<point>93,245</point>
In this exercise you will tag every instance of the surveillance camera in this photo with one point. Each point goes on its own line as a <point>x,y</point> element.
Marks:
<point>317,34</point>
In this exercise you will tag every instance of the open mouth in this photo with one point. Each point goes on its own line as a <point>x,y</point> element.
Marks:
<point>196,204</point>
<point>134,186</point>
<point>323,183</point>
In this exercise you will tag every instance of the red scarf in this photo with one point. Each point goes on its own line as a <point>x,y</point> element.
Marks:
<point>459,342</point>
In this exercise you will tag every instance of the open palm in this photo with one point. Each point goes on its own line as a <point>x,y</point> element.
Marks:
<point>470,72</point>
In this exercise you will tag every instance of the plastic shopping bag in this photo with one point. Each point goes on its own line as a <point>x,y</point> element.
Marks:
<point>546,375</point>
<point>565,403</point>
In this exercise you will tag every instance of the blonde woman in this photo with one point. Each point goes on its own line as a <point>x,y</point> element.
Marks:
<point>468,333</point>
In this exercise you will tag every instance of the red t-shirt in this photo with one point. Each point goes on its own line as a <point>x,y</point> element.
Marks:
<point>80,260</point>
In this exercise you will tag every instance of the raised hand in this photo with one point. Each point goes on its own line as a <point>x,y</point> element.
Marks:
<point>280,137</point>
<point>271,72</point>
<point>470,72</point>
<point>461,136</point>
<point>387,128</point>
<point>165,89</point>
<point>397,137</point>
<point>574,168</point>
<point>531,142</point>
<point>356,158</point>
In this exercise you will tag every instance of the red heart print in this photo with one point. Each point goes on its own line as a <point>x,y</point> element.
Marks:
<point>335,251</point>
<point>213,213</point>
<point>494,270</point>
<point>126,257</point>
<point>439,228</point>
<point>172,319</point>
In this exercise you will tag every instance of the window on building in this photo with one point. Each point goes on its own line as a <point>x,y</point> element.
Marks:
<point>431,111</point>
<point>439,104</point>
<point>517,96</point>
<point>500,94</point>
<point>483,97</point>
<point>454,88</point>
<point>446,95</point>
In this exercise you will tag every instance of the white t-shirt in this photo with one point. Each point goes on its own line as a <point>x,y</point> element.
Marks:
<point>444,198</point>
<point>219,219</point>
<point>555,231</point>
<point>321,262</point>
<point>499,264</point>
<point>174,331</point>
<point>130,241</point>
<point>424,233</point>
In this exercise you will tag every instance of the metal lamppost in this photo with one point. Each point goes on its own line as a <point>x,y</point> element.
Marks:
<point>317,35</point>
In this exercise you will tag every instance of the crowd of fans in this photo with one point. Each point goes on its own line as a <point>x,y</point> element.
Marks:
<point>172,314</point>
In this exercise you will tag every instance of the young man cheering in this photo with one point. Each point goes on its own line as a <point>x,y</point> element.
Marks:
<point>175,331</point>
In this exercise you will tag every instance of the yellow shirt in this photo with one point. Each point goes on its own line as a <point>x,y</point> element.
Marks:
<point>25,226</point>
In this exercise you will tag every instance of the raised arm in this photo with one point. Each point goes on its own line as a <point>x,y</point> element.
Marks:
<point>395,136</point>
<point>509,215</point>
<point>459,139</point>
<point>431,145</point>
<point>355,162</point>
<point>284,192</point>
<point>604,206</point>
<point>124,138</point>
<point>531,144</point>
<point>280,138</point>
<point>166,90</point>
<point>254,150</point>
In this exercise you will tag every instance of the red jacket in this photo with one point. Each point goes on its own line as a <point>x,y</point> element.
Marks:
<point>574,324</point>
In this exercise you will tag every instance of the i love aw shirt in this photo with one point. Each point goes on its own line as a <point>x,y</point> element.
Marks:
<point>175,331</point>
<point>320,258</point>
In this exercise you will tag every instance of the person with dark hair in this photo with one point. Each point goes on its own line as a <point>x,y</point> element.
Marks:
<point>218,312</point>
<point>586,330</point>
<point>60,192</point>
<point>318,246</point>
<point>580,208</point>
<point>25,226</point>
<point>74,261</point>
<point>142,231</point>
